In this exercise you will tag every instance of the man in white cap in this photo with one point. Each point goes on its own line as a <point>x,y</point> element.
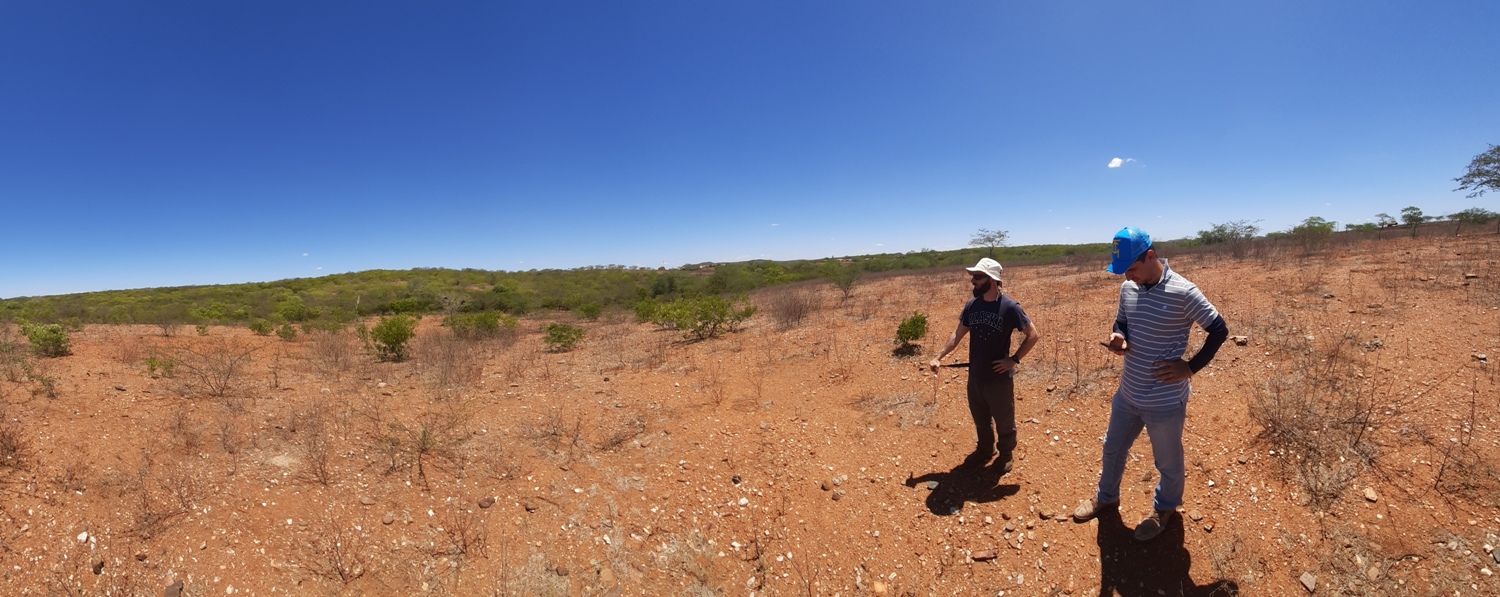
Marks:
<point>991,316</point>
<point>1158,308</point>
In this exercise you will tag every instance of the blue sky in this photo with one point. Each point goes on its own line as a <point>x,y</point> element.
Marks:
<point>173,143</point>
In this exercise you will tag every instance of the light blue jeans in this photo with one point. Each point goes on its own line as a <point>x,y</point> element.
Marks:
<point>1164,427</point>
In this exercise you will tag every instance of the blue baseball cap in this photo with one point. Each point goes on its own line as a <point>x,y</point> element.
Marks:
<point>1130,244</point>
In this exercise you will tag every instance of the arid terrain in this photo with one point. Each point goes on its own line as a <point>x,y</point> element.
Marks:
<point>1345,445</point>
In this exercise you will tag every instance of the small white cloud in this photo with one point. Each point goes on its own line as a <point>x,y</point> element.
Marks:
<point>1117,162</point>
<point>775,225</point>
<point>318,268</point>
<point>880,244</point>
<point>304,254</point>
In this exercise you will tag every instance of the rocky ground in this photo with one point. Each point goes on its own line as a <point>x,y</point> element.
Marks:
<point>1346,444</point>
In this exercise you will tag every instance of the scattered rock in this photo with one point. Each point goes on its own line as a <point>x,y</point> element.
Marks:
<point>389,518</point>
<point>735,479</point>
<point>878,588</point>
<point>1195,515</point>
<point>141,556</point>
<point>1481,357</point>
<point>1240,340</point>
<point>173,590</point>
<point>529,505</point>
<point>1471,276</point>
<point>838,495</point>
<point>561,569</point>
<point>367,500</point>
<point>827,485</point>
<point>1309,581</point>
<point>1045,514</point>
<point>932,484</point>
<point>120,388</point>
<point>984,555</point>
<point>1370,494</point>
<point>380,385</point>
<point>98,565</point>
<point>1208,527</point>
<point>1373,573</point>
<point>487,502</point>
<point>1328,295</point>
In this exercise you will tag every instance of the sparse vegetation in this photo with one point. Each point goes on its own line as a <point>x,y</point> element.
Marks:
<point>912,329</point>
<point>47,340</point>
<point>392,335</point>
<point>561,337</point>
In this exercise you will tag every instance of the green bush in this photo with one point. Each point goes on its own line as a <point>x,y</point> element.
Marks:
<point>645,310</point>
<point>590,311</point>
<point>911,329</point>
<point>561,337</point>
<point>286,332</point>
<point>391,336</point>
<point>261,327</point>
<point>484,324</point>
<point>47,340</point>
<point>202,329</point>
<point>164,365</point>
<point>704,317</point>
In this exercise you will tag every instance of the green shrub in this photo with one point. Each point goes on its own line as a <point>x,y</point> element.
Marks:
<point>163,365</point>
<point>261,327</point>
<point>561,337</point>
<point>391,336</point>
<point>47,340</point>
<point>590,311</point>
<point>202,329</point>
<point>911,329</point>
<point>286,332</point>
<point>484,324</point>
<point>645,310</point>
<point>704,317</point>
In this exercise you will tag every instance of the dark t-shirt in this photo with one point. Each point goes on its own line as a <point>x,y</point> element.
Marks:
<point>990,325</point>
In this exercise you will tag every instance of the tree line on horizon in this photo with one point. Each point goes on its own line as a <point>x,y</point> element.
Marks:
<point>339,299</point>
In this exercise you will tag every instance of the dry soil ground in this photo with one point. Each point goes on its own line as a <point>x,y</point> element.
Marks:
<point>1350,441</point>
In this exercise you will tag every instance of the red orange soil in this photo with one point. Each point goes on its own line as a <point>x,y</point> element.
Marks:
<point>613,467</point>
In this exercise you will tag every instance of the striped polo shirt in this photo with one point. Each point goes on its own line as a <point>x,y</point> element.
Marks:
<point>1157,323</point>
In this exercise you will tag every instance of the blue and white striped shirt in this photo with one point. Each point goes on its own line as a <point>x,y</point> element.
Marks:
<point>1157,324</point>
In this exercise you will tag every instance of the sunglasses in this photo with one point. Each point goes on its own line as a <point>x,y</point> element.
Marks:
<point>978,277</point>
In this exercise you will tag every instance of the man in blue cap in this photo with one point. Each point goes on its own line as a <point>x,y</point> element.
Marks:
<point>992,317</point>
<point>1157,310</point>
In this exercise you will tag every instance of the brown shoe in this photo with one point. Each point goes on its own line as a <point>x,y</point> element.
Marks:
<point>1153,525</point>
<point>1091,508</point>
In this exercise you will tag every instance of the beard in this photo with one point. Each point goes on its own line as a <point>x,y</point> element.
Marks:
<point>983,288</point>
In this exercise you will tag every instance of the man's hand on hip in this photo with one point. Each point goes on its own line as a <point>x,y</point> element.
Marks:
<point>1004,365</point>
<point>1171,371</point>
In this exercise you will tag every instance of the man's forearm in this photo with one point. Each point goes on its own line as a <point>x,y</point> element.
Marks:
<point>1218,331</point>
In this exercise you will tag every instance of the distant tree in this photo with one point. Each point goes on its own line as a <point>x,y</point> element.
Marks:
<point>1362,227</point>
<point>989,239</point>
<point>843,276</point>
<point>1385,220</point>
<point>1477,216</point>
<point>1312,231</point>
<point>1228,232</point>
<point>1483,174</point>
<point>1412,216</point>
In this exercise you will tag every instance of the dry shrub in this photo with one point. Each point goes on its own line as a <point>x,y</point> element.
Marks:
<point>161,494</point>
<point>1318,417</point>
<point>215,367</point>
<point>15,447</point>
<point>447,362</point>
<point>313,427</point>
<point>72,476</point>
<point>463,535</point>
<point>186,432</point>
<point>333,352</point>
<point>790,307</point>
<point>337,551</point>
<point>434,439</point>
<point>618,430</point>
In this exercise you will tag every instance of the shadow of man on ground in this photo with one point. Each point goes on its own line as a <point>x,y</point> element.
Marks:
<point>1158,567</point>
<point>961,485</point>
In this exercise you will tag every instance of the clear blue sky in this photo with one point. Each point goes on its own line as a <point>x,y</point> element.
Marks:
<point>169,143</point>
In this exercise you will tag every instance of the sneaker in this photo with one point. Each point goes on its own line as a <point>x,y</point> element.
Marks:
<point>1003,466</point>
<point>1091,508</point>
<point>1153,525</point>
